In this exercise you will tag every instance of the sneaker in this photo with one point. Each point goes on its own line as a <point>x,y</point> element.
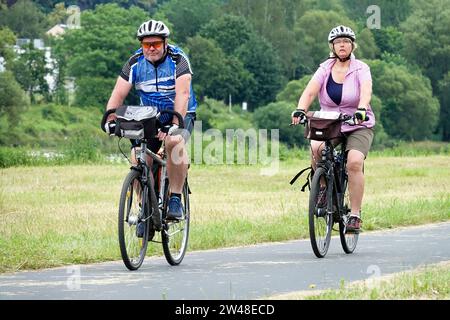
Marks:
<point>175,211</point>
<point>322,197</point>
<point>140,229</point>
<point>354,224</point>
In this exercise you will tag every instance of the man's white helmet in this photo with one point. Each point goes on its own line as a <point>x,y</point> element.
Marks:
<point>153,28</point>
<point>341,32</point>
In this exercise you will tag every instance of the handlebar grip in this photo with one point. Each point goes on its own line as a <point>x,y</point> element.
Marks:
<point>105,116</point>
<point>176,114</point>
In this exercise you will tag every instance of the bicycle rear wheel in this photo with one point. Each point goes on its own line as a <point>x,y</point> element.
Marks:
<point>320,222</point>
<point>348,240</point>
<point>175,234</point>
<point>133,221</point>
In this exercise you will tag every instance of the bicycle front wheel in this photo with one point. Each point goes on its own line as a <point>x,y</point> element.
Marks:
<point>175,233</point>
<point>133,221</point>
<point>320,222</point>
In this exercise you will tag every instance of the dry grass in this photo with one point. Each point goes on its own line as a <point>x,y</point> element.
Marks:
<point>62,215</point>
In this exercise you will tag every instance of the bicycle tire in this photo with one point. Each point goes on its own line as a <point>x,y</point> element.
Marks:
<point>348,240</point>
<point>320,222</point>
<point>132,247</point>
<point>175,234</point>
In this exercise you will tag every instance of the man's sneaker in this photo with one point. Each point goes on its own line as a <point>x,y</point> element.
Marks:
<point>354,224</point>
<point>175,211</point>
<point>322,197</point>
<point>140,229</point>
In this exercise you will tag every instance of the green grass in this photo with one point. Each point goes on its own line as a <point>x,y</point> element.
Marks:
<point>51,216</point>
<point>429,282</point>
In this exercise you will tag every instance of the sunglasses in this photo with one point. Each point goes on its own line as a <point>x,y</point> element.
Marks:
<point>154,44</point>
<point>342,40</point>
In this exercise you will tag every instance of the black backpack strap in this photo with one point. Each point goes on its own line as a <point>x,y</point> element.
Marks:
<point>307,184</point>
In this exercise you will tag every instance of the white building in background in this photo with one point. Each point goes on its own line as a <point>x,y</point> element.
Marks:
<point>50,63</point>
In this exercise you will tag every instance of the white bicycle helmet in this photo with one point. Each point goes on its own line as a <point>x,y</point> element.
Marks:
<point>341,32</point>
<point>152,28</point>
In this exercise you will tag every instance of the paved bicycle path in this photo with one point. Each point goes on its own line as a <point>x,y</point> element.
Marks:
<point>238,273</point>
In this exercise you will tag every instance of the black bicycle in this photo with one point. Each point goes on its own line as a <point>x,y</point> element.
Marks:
<point>329,201</point>
<point>145,192</point>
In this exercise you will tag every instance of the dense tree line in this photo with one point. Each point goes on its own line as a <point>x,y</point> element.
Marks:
<point>259,51</point>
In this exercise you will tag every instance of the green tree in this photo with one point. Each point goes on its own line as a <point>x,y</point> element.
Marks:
<point>99,49</point>
<point>93,91</point>
<point>30,70</point>
<point>392,12</point>
<point>59,14</point>
<point>217,75</point>
<point>444,98</point>
<point>263,62</point>
<point>229,31</point>
<point>7,40</point>
<point>277,115</point>
<point>12,102</point>
<point>274,21</point>
<point>236,37</point>
<point>188,16</point>
<point>427,43</point>
<point>409,109</point>
<point>312,41</point>
<point>293,90</point>
<point>106,39</point>
<point>25,19</point>
<point>389,39</point>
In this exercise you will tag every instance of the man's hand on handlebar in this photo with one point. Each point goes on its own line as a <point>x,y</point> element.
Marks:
<point>167,130</point>
<point>298,117</point>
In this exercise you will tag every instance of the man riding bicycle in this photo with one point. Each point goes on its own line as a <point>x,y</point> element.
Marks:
<point>161,74</point>
<point>344,84</point>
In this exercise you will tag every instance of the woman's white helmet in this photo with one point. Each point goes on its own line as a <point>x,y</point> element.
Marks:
<point>341,32</point>
<point>152,28</point>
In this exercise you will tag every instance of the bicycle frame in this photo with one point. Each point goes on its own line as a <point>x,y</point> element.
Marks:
<point>334,172</point>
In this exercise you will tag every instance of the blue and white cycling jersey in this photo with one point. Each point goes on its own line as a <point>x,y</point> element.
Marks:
<point>155,83</point>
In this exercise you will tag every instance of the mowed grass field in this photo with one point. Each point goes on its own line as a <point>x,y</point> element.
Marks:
<point>51,216</point>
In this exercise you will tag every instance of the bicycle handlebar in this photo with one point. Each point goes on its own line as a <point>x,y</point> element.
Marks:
<point>350,120</point>
<point>172,112</point>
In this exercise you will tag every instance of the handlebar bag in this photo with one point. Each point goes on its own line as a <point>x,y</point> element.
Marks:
<point>136,122</point>
<point>323,125</point>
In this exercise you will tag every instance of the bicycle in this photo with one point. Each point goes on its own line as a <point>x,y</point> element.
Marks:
<point>144,198</point>
<point>329,201</point>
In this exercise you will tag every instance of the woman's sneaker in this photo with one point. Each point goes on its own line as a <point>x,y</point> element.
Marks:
<point>175,211</point>
<point>354,224</point>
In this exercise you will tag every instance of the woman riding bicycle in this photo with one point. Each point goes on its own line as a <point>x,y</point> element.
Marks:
<point>344,84</point>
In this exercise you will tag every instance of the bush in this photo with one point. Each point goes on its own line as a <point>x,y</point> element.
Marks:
<point>278,116</point>
<point>93,92</point>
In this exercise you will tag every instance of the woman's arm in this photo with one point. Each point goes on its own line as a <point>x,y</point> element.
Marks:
<point>366,94</point>
<point>309,94</point>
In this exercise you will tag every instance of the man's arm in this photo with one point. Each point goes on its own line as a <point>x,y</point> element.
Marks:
<point>182,94</point>
<point>118,95</point>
